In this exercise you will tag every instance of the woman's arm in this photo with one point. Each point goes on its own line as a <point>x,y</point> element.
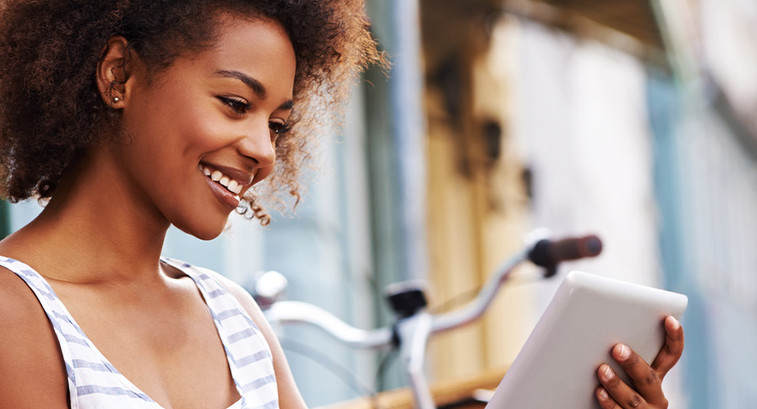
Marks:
<point>647,379</point>
<point>32,373</point>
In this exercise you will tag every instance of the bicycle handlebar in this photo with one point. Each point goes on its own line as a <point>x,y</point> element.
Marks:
<point>548,253</point>
<point>544,252</point>
<point>287,312</point>
<point>414,324</point>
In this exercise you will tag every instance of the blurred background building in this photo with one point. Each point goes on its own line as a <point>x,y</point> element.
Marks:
<point>633,119</point>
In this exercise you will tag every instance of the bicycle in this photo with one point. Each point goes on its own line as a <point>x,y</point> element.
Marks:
<point>414,324</point>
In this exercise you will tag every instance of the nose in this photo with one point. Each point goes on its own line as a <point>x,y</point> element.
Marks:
<point>257,144</point>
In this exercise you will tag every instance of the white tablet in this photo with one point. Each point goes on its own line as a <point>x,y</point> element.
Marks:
<point>587,316</point>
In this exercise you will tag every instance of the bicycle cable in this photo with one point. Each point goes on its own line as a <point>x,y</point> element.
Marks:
<point>462,298</point>
<point>335,367</point>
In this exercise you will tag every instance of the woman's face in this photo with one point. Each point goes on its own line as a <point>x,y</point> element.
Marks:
<point>203,131</point>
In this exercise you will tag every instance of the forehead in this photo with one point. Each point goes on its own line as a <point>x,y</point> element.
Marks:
<point>257,47</point>
<point>238,30</point>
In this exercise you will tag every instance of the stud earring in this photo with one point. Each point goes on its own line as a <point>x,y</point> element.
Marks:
<point>116,99</point>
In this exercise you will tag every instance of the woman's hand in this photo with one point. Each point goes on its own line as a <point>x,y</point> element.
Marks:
<point>615,394</point>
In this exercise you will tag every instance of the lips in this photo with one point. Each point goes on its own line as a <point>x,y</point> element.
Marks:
<point>226,183</point>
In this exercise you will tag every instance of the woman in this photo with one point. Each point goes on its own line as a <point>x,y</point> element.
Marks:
<point>131,116</point>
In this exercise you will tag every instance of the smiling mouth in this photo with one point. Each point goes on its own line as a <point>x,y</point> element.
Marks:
<point>232,186</point>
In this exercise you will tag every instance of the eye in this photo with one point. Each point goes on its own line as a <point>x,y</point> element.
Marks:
<point>279,128</point>
<point>238,105</point>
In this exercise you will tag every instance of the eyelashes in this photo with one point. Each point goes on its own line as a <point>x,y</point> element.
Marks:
<point>239,107</point>
<point>279,128</point>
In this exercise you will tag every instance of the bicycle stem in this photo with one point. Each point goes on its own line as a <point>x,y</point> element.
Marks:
<point>414,331</point>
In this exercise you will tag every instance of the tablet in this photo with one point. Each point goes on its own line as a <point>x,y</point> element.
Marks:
<point>587,316</point>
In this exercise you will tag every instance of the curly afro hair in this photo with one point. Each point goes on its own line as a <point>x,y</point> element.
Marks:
<point>50,107</point>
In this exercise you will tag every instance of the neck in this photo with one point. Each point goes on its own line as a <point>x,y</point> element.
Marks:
<point>111,233</point>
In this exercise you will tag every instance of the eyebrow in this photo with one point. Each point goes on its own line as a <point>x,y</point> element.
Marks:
<point>256,86</point>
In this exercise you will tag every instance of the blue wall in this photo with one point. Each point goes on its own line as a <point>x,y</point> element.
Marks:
<point>706,192</point>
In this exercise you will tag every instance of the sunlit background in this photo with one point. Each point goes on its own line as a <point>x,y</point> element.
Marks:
<point>632,119</point>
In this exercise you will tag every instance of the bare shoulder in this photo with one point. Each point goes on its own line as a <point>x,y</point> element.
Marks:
<point>289,395</point>
<point>30,360</point>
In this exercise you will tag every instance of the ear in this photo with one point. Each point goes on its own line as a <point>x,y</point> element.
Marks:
<point>113,71</point>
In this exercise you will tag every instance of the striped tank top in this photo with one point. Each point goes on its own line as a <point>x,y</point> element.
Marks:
<point>94,383</point>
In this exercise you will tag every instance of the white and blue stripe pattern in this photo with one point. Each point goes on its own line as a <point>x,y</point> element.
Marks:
<point>94,383</point>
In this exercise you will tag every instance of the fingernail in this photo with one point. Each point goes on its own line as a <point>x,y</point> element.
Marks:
<point>606,373</point>
<point>623,352</point>
<point>603,394</point>
<point>674,324</point>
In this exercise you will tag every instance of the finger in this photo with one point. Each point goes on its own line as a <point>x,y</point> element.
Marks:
<point>622,394</point>
<point>672,349</point>
<point>645,379</point>
<point>604,399</point>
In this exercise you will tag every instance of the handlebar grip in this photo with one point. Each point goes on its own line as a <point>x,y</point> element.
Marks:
<point>549,253</point>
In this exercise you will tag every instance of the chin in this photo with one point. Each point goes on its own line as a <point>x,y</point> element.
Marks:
<point>204,229</point>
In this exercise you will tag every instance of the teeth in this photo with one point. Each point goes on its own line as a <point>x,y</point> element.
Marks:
<point>231,185</point>
<point>234,187</point>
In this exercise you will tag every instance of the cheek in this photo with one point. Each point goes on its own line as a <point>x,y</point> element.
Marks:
<point>173,119</point>
<point>201,131</point>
